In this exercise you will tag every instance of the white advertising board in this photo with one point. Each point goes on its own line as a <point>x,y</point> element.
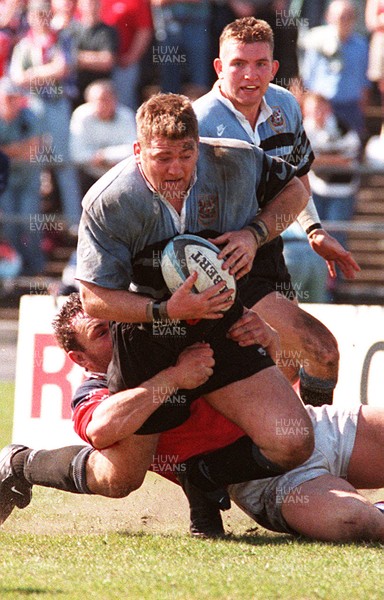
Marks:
<point>46,378</point>
<point>359,331</point>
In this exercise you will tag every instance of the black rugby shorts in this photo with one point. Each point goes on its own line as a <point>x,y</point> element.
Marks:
<point>142,350</point>
<point>269,274</point>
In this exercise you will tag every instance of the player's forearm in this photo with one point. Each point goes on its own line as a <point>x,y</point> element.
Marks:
<point>114,305</point>
<point>124,413</point>
<point>278,214</point>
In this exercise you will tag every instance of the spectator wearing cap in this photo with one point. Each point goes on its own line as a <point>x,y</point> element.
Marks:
<point>20,135</point>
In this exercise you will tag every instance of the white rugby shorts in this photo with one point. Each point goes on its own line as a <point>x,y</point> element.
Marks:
<point>335,432</point>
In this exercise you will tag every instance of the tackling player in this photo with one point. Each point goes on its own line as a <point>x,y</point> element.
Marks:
<point>109,422</point>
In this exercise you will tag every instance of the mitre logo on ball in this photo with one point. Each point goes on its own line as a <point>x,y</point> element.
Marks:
<point>187,253</point>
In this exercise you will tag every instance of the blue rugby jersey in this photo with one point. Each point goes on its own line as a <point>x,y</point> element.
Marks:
<point>125,224</point>
<point>282,134</point>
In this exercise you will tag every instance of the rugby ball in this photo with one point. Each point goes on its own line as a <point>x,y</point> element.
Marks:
<point>187,253</point>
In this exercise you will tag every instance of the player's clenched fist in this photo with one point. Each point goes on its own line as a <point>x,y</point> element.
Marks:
<point>194,366</point>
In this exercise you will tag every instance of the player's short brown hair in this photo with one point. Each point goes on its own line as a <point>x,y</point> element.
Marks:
<point>64,330</point>
<point>166,115</point>
<point>248,30</point>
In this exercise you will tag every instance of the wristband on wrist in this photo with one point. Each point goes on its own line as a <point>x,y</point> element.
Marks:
<point>312,228</point>
<point>163,311</point>
<point>259,231</point>
<point>159,311</point>
<point>156,311</point>
<point>149,311</point>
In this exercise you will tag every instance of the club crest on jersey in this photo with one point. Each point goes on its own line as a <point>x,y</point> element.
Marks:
<point>207,207</point>
<point>277,120</point>
<point>220,129</point>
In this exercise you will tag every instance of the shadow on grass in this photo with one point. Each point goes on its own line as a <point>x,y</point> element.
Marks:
<point>27,591</point>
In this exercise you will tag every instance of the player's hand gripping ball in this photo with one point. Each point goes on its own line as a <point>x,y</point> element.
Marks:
<point>187,253</point>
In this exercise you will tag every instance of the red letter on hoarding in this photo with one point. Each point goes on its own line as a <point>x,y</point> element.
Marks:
<point>41,377</point>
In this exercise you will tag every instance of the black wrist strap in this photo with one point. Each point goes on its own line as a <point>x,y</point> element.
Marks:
<point>313,227</point>
<point>156,311</point>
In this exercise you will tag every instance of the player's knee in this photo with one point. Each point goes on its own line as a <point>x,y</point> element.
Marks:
<point>120,487</point>
<point>319,343</point>
<point>328,353</point>
<point>297,446</point>
<point>299,452</point>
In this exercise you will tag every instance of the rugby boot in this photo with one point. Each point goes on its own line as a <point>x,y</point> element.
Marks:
<point>14,491</point>
<point>204,507</point>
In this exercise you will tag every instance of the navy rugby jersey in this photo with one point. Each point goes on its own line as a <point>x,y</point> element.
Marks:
<point>125,224</point>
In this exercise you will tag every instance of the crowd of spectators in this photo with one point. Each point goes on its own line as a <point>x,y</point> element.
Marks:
<point>74,72</point>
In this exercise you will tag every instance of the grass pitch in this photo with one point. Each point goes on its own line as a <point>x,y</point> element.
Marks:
<point>75,547</point>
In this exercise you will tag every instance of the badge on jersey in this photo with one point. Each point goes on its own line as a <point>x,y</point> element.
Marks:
<point>208,209</point>
<point>277,119</point>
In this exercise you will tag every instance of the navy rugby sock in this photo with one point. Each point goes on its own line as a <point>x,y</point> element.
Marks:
<point>240,461</point>
<point>316,391</point>
<point>62,468</point>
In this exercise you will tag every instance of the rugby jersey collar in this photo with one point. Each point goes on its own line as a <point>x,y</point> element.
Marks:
<point>265,113</point>
<point>179,220</point>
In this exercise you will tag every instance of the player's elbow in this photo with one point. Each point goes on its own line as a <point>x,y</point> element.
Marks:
<point>89,301</point>
<point>100,434</point>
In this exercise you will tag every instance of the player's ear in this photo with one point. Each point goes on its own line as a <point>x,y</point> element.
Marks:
<point>78,357</point>
<point>137,150</point>
<point>275,68</point>
<point>218,66</point>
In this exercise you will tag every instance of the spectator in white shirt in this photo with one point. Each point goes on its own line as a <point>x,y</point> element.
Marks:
<point>102,132</point>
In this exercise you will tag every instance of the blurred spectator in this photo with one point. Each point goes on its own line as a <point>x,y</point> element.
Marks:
<point>4,171</point>
<point>308,271</point>
<point>221,15</point>
<point>10,260</point>
<point>311,11</point>
<point>68,29</point>
<point>102,132</point>
<point>284,23</point>
<point>13,24</point>
<point>10,264</point>
<point>374,18</point>
<point>337,148</point>
<point>20,131</point>
<point>181,49</point>
<point>97,45</point>
<point>133,22</point>
<point>40,64</point>
<point>63,15</point>
<point>374,151</point>
<point>335,64</point>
